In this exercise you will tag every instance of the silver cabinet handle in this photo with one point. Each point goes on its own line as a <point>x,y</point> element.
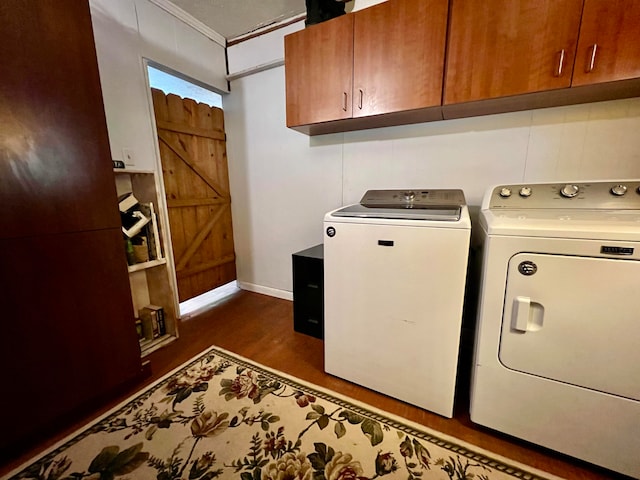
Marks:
<point>344,101</point>
<point>592,58</point>
<point>361,97</point>
<point>560,64</point>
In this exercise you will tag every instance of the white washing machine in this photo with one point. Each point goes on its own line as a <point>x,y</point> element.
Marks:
<point>394,279</point>
<point>557,352</point>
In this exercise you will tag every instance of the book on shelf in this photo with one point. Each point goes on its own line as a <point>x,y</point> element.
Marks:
<point>150,327</point>
<point>156,232</point>
<point>151,232</point>
<point>127,201</point>
<point>132,215</point>
<point>153,321</point>
<point>139,330</point>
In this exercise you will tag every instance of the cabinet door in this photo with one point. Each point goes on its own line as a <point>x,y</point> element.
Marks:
<point>398,56</point>
<point>499,48</point>
<point>68,333</point>
<point>609,46</point>
<point>55,163</point>
<point>318,68</point>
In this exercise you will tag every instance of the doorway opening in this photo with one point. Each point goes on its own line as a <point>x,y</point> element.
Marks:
<point>169,82</point>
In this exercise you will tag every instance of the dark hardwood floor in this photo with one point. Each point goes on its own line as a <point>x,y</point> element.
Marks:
<point>260,328</point>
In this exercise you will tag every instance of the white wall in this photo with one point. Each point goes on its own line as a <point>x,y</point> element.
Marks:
<point>282,182</point>
<point>126,32</point>
<point>360,4</point>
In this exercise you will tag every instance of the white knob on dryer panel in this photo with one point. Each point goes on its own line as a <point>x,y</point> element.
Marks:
<point>569,190</point>
<point>618,190</point>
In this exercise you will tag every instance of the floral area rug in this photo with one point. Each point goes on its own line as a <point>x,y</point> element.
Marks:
<point>221,416</point>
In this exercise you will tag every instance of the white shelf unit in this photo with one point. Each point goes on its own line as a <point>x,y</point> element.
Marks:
<point>144,265</point>
<point>149,281</point>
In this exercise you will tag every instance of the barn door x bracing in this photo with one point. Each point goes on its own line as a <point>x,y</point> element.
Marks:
<point>196,181</point>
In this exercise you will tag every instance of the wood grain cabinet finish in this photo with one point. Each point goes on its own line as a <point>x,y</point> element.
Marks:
<point>398,58</point>
<point>501,56</point>
<point>55,162</point>
<point>609,45</point>
<point>68,332</point>
<point>379,66</point>
<point>499,48</point>
<point>68,335</point>
<point>318,66</point>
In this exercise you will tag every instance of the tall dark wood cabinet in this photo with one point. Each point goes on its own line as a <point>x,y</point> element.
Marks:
<point>67,331</point>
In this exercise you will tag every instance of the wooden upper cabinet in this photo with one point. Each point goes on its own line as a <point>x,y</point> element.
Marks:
<point>398,57</point>
<point>499,48</point>
<point>318,68</point>
<point>385,59</point>
<point>609,46</point>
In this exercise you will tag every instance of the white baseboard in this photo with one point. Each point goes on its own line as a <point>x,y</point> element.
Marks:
<point>272,292</point>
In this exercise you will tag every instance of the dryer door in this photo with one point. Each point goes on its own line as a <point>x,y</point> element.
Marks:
<point>574,320</point>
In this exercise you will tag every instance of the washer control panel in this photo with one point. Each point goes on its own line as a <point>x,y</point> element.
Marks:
<point>621,195</point>
<point>420,198</point>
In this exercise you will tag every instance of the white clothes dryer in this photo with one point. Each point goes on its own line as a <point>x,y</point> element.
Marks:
<point>394,279</point>
<point>557,349</point>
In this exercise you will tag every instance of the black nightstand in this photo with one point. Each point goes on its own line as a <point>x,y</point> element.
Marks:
<point>308,291</point>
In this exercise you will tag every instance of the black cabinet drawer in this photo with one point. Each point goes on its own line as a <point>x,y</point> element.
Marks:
<point>308,292</point>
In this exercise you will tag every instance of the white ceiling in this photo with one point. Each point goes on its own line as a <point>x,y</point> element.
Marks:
<point>232,18</point>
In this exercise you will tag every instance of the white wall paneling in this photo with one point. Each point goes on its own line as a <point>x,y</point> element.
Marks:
<point>360,4</point>
<point>282,182</point>
<point>124,88</point>
<point>260,50</point>
<point>465,153</point>
<point>169,41</point>
<point>590,141</point>
<point>200,57</point>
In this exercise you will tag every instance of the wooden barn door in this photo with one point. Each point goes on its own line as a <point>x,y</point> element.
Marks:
<point>196,181</point>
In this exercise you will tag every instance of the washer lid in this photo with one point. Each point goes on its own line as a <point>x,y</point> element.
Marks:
<point>441,213</point>
<point>423,204</point>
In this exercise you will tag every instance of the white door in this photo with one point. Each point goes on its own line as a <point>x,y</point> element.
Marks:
<point>574,320</point>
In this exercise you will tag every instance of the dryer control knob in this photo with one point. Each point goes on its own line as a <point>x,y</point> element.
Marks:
<point>505,192</point>
<point>619,190</point>
<point>569,190</point>
<point>525,192</point>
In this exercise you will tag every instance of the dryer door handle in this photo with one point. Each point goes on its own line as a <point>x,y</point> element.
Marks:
<point>521,313</point>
